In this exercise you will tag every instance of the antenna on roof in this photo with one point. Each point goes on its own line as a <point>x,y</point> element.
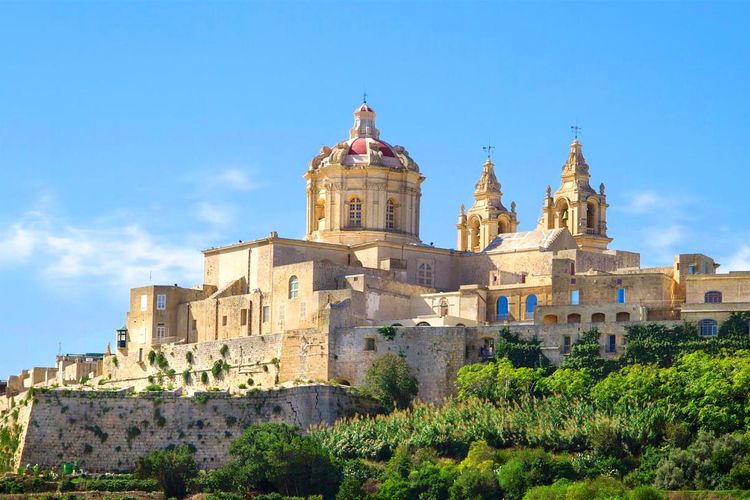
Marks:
<point>488,148</point>
<point>576,130</point>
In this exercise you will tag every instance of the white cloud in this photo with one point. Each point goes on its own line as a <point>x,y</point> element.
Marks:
<point>642,202</point>
<point>218,215</point>
<point>234,178</point>
<point>739,260</point>
<point>666,237</point>
<point>117,256</point>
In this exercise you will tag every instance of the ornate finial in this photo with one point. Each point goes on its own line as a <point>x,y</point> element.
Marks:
<point>513,206</point>
<point>462,209</point>
<point>488,149</point>
<point>576,130</point>
<point>549,191</point>
<point>601,189</point>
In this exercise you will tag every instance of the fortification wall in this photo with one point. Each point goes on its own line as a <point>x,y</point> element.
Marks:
<point>108,431</point>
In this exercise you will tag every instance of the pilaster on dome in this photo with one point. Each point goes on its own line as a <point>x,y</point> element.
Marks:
<point>364,123</point>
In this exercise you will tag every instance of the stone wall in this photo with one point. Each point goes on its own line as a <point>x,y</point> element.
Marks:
<point>108,431</point>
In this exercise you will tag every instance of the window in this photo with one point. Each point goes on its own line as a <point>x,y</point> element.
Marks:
<point>574,318</point>
<point>550,319</point>
<point>691,270</point>
<point>140,355</point>
<point>144,302</point>
<point>282,313</point>
<point>161,302</point>
<point>712,297</point>
<point>566,344</point>
<point>355,212</point>
<point>161,331</point>
<point>620,295</point>
<point>443,308</point>
<point>223,321</point>
<point>531,301</point>
<point>243,317</point>
<point>195,324</point>
<point>708,328</point>
<point>302,311</point>
<point>598,318</point>
<point>502,309</point>
<point>369,344</point>
<point>623,316</point>
<point>265,315</point>
<point>424,274</point>
<point>572,268</point>
<point>122,338</point>
<point>390,215</point>
<point>575,297</point>
<point>423,323</point>
<point>612,343</point>
<point>293,287</point>
<point>523,278</point>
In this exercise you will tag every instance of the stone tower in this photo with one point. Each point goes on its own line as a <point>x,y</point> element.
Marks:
<point>576,206</point>
<point>487,217</point>
<point>363,189</point>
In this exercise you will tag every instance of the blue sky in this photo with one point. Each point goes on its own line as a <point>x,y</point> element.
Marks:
<point>134,135</point>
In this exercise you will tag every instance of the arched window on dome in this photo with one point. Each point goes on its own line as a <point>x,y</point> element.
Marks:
<point>390,214</point>
<point>320,214</point>
<point>293,287</point>
<point>355,212</point>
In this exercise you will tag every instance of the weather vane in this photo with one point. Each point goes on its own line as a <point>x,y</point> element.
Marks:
<point>576,130</point>
<point>488,148</point>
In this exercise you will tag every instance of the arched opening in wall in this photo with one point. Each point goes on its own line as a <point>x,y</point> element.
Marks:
<point>390,214</point>
<point>622,316</point>
<point>474,234</point>
<point>460,324</point>
<point>574,318</point>
<point>708,328</point>
<point>502,309</point>
<point>423,323</point>
<point>397,324</point>
<point>503,225</point>
<point>355,212</point>
<point>531,302</point>
<point>562,214</point>
<point>598,318</point>
<point>342,381</point>
<point>293,287</point>
<point>443,308</point>
<point>712,297</point>
<point>550,319</point>
<point>320,215</point>
<point>487,349</point>
<point>591,216</point>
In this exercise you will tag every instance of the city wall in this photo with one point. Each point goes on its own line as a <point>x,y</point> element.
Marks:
<point>108,431</point>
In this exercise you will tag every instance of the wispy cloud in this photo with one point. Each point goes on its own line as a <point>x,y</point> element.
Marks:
<point>216,214</point>
<point>739,260</point>
<point>119,256</point>
<point>641,203</point>
<point>235,178</point>
<point>222,181</point>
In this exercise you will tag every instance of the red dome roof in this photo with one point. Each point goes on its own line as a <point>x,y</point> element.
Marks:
<point>359,147</point>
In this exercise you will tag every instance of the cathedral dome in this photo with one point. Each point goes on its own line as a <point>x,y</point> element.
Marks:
<point>364,147</point>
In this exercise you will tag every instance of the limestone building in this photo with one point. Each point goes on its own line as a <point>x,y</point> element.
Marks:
<point>277,310</point>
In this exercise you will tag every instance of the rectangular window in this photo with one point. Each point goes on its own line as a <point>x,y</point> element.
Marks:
<point>369,344</point>
<point>575,297</point>
<point>161,331</point>
<point>161,302</point>
<point>266,313</point>
<point>144,302</point>
<point>223,321</point>
<point>566,344</point>
<point>140,355</point>
<point>302,311</point>
<point>195,324</point>
<point>691,270</point>
<point>620,295</point>
<point>425,276</point>
<point>572,268</point>
<point>612,343</point>
<point>523,278</point>
<point>282,313</point>
<point>243,317</point>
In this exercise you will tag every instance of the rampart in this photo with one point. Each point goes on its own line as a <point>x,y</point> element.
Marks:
<point>108,431</point>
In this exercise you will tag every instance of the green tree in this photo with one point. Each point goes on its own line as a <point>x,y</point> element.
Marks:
<point>584,355</point>
<point>276,457</point>
<point>390,381</point>
<point>522,353</point>
<point>173,468</point>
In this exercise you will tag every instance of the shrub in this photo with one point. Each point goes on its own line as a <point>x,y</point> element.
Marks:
<point>172,468</point>
<point>151,357</point>
<point>153,388</point>
<point>204,377</point>
<point>217,368</point>
<point>388,332</point>
<point>224,350</point>
<point>189,357</point>
<point>161,361</point>
<point>390,381</point>
<point>186,376</point>
<point>520,352</point>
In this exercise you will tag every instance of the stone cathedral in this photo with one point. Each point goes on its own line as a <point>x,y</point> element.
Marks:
<point>278,311</point>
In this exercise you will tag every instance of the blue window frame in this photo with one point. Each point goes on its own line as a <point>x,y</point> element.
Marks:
<point>620,295</point>
<point>575,297</point>
<point>502,308</point>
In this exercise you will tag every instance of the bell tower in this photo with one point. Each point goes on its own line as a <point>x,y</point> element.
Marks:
<point>487,217</point>
<point>576,206</point>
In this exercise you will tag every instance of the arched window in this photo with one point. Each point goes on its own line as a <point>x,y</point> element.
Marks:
<point>550,319</point>
<point>503,226</point>
<point>423,323</point>
<point>712,297</point>
<point>320,214</point>
<point>708,328</point>
<point>574,318</point>
<point>598,318</point>
<point>293,287</point>
<point>502,309</point>
<point>531,301</point>
<point>591,216</point>
<point>390,214</point>
<point>355,212</point>
<point>474,235</point>
<point>443,307</point>
<point>623,316</point>
<point>425,276</point>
